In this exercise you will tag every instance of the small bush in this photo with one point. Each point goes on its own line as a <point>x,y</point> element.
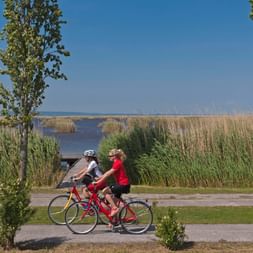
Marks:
<point>14,210</point>
<point>170,231</point>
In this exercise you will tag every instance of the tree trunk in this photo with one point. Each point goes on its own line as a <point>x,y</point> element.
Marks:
<point>23,151</point>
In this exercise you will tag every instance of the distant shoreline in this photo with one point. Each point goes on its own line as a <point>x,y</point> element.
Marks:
<point>99,115</point>
<point>77,115</point>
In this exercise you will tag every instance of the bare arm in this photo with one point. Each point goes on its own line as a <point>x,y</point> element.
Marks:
<point>105,176</point>
<point>80,174</point>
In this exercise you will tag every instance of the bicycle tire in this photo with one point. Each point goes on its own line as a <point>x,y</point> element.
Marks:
<point>57,207</point>
<point>85,221</point>
<point>136,217</point>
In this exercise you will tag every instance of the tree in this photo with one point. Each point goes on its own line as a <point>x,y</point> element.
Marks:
<point>33,53</point>
<point>251,11</point>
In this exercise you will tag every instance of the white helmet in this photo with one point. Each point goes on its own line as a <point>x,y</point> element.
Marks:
<point>90,153</point>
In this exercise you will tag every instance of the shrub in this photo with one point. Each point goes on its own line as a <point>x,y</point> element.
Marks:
<point>14,210</point>
<point>134,142</point>
<point>170,231</point>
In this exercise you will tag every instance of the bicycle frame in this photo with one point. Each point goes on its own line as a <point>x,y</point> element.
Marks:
<point>72,192</point>
<point>131,216</point>
<point>95,200</point>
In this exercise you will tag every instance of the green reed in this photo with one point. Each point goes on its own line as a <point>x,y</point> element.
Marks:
<point>202,151</point>
<point>43,157</point>
<point>135,140</point>
<point>211,151</point>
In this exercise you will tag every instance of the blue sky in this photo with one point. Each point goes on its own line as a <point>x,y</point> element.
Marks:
<point>155,56</point>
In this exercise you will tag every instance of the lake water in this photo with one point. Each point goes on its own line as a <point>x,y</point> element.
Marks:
<point>87,136</point>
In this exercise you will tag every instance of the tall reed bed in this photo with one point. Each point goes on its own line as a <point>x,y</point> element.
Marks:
<point>60,124</point>
<point>202,151</point>
<point>211,151</point>
<point>43,157</point>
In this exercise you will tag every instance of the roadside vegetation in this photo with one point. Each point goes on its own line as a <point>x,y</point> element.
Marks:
<point>43,158</point>
<point>164,154</point>
<point>208,151</point>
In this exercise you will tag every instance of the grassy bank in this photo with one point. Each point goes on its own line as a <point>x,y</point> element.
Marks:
<point>186,215</point>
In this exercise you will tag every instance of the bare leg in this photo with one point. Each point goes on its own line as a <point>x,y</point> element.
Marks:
<point>86,193</point>
<point>108,195</point>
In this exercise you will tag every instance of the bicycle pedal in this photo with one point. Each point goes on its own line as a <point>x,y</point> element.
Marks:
<point>116,223</point>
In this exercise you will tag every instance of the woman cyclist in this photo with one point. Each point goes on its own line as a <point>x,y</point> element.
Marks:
<point>117,156</point>
<point>90,173</point>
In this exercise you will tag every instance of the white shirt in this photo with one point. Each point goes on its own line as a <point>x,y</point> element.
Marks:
<point>93,169</point>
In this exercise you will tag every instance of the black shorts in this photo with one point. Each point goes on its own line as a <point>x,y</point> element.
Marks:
<point>117,189</point>
<point>87,179</point>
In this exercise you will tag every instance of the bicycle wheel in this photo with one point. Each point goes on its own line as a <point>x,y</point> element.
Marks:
<point>85,221</point>
<point>57,207</point>
<point>136,217</point>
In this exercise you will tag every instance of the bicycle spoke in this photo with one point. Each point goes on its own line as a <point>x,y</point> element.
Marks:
<point>57,207</point>
<point>85,221</point>
<point>136,217</point>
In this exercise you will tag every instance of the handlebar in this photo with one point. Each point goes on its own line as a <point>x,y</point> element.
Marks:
<point>73,179</point>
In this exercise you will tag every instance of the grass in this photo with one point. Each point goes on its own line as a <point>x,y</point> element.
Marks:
<point>210,215</point>
<point>187,190</point>
<point>150,247</point>
<point>186,215</point>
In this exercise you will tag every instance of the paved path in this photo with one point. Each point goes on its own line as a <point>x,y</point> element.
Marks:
<point>42,199</point>
<point>197,233</point>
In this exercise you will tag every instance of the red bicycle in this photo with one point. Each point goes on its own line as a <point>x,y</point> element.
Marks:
<point>59,204</point>
<point>135,216</point>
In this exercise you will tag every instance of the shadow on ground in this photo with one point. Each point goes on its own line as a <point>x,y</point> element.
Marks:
<point>187,245</point>
<point>48,243</point>
<point>120,230</point>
